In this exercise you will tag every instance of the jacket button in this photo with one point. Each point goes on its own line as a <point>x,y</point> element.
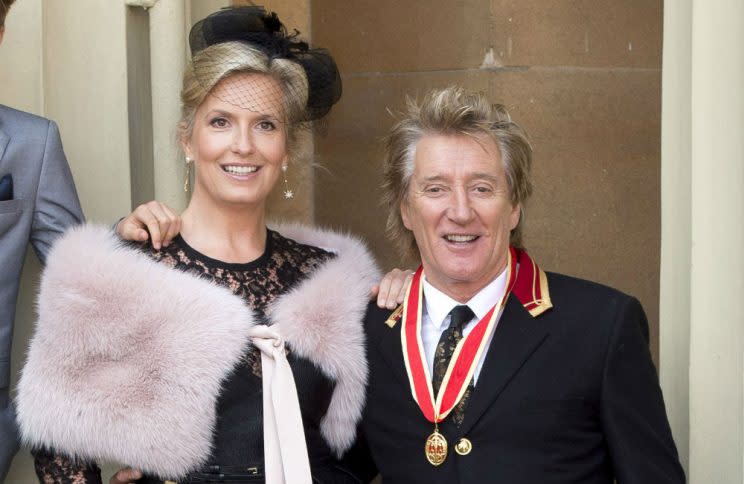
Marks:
<point>463,446</point>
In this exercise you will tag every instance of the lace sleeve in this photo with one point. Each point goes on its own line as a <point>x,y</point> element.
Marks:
<point>52,468</point>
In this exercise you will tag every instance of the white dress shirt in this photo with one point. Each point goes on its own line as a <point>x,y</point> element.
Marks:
<point>435,316</point>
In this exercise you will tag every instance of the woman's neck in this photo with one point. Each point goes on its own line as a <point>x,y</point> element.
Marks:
<point>231,234</point>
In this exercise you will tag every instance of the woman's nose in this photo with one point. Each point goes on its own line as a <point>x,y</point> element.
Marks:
<point>242,142</point>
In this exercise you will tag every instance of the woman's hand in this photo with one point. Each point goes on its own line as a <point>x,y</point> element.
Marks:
<point>392,288</point>
<point>154,217</point>
<point>126,476</point>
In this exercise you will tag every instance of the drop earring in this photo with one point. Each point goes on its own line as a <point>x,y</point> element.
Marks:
<point>187,181</point>
<point>288,193</point>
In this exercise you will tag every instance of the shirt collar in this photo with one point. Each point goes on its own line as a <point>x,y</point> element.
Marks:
<point>438,305</point>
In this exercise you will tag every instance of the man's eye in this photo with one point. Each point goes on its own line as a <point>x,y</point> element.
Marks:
<point>483,189</point>
<point>219,123</point>
<point>433,189</point>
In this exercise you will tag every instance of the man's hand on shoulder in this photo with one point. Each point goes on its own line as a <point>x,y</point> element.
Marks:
<point>392,288</point>
<point>154,220</point>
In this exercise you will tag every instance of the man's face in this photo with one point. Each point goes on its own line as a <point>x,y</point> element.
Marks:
<point>459,210</point>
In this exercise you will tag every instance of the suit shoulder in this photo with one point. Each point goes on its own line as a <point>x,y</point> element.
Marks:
<point>580,296</point>
<point>16,122</point>
<point>376,318</point>
<point>590,308</point>
<point>564,285</point>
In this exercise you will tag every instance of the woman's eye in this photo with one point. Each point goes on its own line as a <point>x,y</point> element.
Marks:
<point>266,125</point>
<point>219,123</point>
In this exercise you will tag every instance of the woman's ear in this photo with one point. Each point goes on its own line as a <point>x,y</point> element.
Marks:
<point>184,139</point>
<point>186,147</point>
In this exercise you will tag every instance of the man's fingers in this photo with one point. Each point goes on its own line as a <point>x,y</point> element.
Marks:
<point>157,223</point>
<point>393,288</point>
<point>174,225</point>
<point>153,226</point>
<point>404,286</point>
<point>155,218</point>
<point>125,476</point>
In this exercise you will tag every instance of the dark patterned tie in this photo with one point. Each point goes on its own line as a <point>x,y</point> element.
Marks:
<point>460,316</point>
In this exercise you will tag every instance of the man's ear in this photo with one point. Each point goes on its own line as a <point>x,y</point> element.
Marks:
<point>515,215</point>
<point>404,209</point>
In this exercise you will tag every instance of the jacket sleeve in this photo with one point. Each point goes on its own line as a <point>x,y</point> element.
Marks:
<point>632,407</point>
<point>56,206</point>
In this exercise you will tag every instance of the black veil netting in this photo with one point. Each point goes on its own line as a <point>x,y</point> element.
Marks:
<point>264,31</point>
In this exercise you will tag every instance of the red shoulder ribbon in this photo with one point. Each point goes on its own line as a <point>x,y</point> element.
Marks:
<point>528,283</point>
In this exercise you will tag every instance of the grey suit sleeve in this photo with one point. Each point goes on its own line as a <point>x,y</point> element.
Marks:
<point>632,407</point>
<point>57,206</point>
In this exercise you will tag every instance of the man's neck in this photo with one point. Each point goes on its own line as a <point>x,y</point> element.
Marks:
<point>464,291</point>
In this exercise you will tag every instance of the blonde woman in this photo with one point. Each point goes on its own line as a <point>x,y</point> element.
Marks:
<point>164,370</point>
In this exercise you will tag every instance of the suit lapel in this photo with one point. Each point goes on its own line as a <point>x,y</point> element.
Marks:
<point>516,338</point>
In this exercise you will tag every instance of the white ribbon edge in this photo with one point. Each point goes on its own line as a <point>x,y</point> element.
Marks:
<point>285,451</point>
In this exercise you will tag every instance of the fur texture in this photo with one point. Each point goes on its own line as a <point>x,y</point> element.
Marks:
<point>127,358</point>
<point>128,355</point>
<point>321,319</point>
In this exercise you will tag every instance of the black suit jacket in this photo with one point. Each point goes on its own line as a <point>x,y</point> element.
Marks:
<point>571,396</point>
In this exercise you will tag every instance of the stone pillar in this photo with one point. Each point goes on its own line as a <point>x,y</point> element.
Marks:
<point>717,272</point>
<point>168,47</point>
<point>703,236</point>
<point>674,294</point>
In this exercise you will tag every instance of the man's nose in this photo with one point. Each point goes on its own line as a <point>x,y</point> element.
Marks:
<point>461,210</point>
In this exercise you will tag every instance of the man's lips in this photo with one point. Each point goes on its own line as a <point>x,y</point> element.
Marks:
<point>460,238</point>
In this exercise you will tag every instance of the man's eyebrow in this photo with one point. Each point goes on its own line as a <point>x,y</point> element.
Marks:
<point>484,176</point>
<point>475,176</point>
<point>434,178</point>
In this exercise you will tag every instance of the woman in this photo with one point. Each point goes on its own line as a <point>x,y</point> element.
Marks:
<point>163,370</point>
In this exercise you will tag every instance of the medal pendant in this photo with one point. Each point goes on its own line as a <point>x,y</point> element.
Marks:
<point>436,448</point>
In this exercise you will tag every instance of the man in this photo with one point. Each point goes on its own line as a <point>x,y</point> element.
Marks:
<point>493,370</point>
<point>37,202</point>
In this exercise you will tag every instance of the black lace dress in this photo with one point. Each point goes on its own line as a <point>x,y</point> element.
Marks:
<point>238,438</point>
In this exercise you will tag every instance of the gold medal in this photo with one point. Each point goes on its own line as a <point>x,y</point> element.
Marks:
<point>436,448</point>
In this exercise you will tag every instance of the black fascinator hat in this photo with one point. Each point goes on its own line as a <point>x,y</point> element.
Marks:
<point>264,31</point>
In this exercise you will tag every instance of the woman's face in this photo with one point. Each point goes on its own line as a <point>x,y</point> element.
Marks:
<point>238,140</point>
